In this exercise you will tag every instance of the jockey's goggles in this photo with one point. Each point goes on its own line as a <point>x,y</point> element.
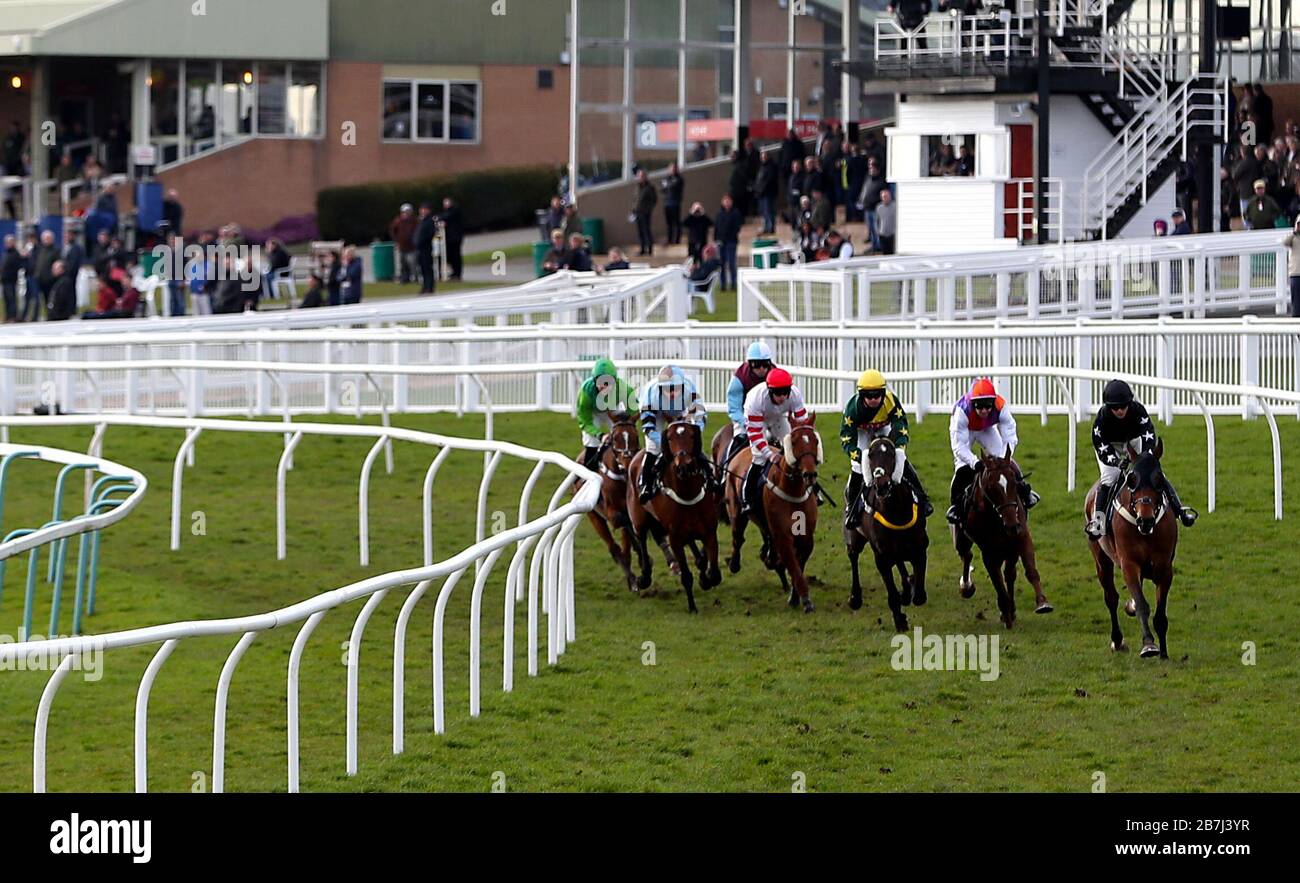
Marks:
<point>779,391</point>
<point>872,393</point>
<point>982,404</point>
<point>760,364</point>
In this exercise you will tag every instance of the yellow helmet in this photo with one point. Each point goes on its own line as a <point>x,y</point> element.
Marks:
<point>871,379</point>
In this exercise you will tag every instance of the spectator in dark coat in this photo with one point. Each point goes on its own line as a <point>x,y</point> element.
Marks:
<point>172,211</point>
<point>315,291</point>
<point>673,186</point>
<point>73,255</point>
<point>643,207</point>
<point>453,233</point>
<point>1181,227</point>
<point>63,294</point>
<point>792,151</point>
<point>726,228</point>
<point>697,225</point>
<point>706,266</point>
<point>557,257</point>
<point>352,272</point>
<point>617,261</point>
<point>766,189</point>
<point>230,295</point>
<point>425,233</point>
<point>738,184</point>
<point>869,199</point>
<point>10,263</point>
<point>333,268</point>
<point>855,169</point>
<point>46,254</point>
<point>578,256</point>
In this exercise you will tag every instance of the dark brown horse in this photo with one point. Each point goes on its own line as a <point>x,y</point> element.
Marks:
<point>685,510</point>
<point>894,524</point>
<point>610,513</point>
<point>1142,540</point>
<point>997,522</point>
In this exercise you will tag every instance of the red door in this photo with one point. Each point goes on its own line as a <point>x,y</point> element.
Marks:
<point>1022,166</point>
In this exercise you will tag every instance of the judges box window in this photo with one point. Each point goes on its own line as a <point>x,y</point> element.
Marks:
<point>948,156</point>
<point>431,111</point>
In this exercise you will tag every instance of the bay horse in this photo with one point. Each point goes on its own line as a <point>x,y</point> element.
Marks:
<point>718,449</point>
<point>997,522</point>
<point>685,510</point>
<point>790,495</point>
<point>1142,541</point>
<point>610,513</point>
<point>894,524</point>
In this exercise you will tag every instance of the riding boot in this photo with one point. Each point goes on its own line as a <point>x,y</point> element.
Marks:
<point>1100,506</point>
<point>914,481</point>
<point>648,480</point>
<point>591,458</point>
<point>852,494</point>
<point>1028,495</point>
<point>957,494</point>
<point>751,490</point>
<point>1186,514</point>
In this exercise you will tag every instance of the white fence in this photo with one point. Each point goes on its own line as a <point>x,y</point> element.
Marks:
<point>547,575</point>
<point>471,369</point>
<point>651,295</point>
<point>1188,276</point>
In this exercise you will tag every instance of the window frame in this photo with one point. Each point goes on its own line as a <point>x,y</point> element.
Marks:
<point>413,84</point>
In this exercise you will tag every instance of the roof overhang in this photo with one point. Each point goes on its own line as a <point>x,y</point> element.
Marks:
<point>237,29</point>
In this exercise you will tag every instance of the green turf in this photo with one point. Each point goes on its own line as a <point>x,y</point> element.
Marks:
<point>744,696</point>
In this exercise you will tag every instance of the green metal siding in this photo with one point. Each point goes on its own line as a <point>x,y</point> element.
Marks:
<point>448,31</point>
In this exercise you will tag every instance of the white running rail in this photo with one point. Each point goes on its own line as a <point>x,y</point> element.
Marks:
<point>547,576</point>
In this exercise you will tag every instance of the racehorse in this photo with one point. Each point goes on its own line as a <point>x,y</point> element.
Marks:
<point>997,522</point>
<point>610,513</point>
<point>718,447</point>
<point>1142,542</point>
<point>894,524</point>
<point>790,497</point>
<point>685,510</point>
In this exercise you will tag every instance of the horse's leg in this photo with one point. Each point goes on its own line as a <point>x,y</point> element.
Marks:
<point>886,569</point>
<point>1009,580</point>
<point>688,579</point>
<point>854,543</point>
<point>965,584</point>
<point>1030,559</point>
<point>1133,580</point>
<point>625,558</point>
<point>994,567</point>
<point>919,597</point>
<point>599,522</point>
<point>738,524</point>
<point>1106,576</point>
<point>711,573</point>
<point>661,539</point>
<point>1164,579</point>
<point>802,551</point>
<point>640,528</point>
<point>905,580</point>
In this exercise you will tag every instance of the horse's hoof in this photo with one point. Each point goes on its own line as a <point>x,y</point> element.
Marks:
<point>692,609</point>
<point>808,605</point>
<point>966,590</point>
<point>900,623</point>
<point>733,564</point>
<point>905,599</point>
<point>1121,647</point>
<point>1045,607</point>
<point>643,582</point>
<point>1131,607</point>
<point>1008,621</point>
<point>919,597</point>
<point>1149,650</point>
<point>855,602</point>
<point>793,600</point>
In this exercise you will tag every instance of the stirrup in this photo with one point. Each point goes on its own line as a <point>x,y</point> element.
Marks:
<point>1032,500</point>
<point>1187,515</point>
<point>1095,528</point>
<point>953,516</point>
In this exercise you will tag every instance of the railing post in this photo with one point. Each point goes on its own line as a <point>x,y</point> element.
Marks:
<point>1083,362</point>
<point>1249,367</point>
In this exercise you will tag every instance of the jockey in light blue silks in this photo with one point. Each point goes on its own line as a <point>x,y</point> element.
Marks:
<point>668,398</point>
<point>752,372</point>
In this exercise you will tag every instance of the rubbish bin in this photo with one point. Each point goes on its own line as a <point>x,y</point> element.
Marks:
<point>539,254</point>
<point>768,260</point>
<point>594,230</point>
<point>381,260</point>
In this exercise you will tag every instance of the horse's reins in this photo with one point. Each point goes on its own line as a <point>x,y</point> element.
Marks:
<point>616,474</point>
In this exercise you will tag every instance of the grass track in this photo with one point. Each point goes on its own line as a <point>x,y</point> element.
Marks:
<point>741,697</point>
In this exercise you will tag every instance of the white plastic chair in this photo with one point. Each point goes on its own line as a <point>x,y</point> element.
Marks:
<point>704,289</point>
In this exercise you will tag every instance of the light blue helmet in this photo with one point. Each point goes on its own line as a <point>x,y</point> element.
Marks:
<point>758,352</point>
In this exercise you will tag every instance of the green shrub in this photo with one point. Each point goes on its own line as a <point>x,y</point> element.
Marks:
<point>491,199</point>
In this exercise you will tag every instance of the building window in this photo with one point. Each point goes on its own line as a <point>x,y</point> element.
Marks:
<point>431,111</point>
<point>271,97</point>
<point>948,156</point>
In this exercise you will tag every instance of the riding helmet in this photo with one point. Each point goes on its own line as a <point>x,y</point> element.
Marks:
<point>779,381</point>
<point>871,379</point>
<point>758,352</point>
<point>1117,394</point>
<point>983,389</point>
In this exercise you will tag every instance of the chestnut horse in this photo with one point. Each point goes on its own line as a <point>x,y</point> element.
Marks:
<point>685,510</point>
<point>790,497</point>
<point>1142,541</point>
<point>893,523</point>
<point>997,522</point>
<point>610,513</point>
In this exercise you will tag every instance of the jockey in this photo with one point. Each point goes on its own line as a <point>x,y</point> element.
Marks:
<point>666,399</point>
<point>752,372</point>
<point>1121,422</point>
<point>602,394</point>
<point>981,416</point>
<point>772,410</point>
<point>873,413</point>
